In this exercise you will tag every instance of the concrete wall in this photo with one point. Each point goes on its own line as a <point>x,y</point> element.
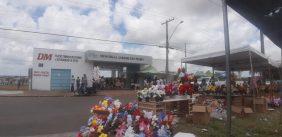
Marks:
<point>57,59</point>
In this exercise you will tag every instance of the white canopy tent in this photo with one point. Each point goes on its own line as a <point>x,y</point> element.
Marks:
<point>241,59</point>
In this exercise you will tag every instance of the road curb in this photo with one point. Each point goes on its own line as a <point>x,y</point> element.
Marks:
<point>36,96</point>
<point>50,96</point>
<point>46,95</point>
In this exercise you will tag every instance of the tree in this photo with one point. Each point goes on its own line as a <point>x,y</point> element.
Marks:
<point>200,74</point>
<point>208,73</point>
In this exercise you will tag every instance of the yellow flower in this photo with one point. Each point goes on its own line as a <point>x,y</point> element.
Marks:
<point>105,103</point>
<point>100,128</point>
<point>211,88</point>
<point>103,135</point>
<point>94,122</point>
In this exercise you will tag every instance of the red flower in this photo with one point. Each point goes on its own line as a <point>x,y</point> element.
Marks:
<point>168,89</point>
<point>137,112</point>
<point>181,89</point>
<point>188,88</point>
<point>128,106</point>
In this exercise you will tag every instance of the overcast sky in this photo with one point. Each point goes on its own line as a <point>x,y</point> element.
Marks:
<point>121,20</point>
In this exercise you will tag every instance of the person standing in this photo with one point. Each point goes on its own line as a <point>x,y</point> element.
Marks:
<point>203,85</point>
<point>77,83</point>
<point>72,83</point>
<point>18,84</point>
<point>102,82</point>
<point>195,85</point>
<point>84,81</point>
<point>93,83</point>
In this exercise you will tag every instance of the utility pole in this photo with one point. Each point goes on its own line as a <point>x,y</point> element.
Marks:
<point>261,42</point>
<point>167,45</point>
<point>227,68</point>
<point>185,57</point>
<point>281,65</point>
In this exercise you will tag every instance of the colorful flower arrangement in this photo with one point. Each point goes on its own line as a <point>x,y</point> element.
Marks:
<point>171,88</point>
<point>274,102</point>
<point>110,118</point>
<point>143,94</point>
<point>153,93</point>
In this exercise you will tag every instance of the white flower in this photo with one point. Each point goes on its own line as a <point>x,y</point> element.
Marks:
<point>148,114</point>
<point>117,104</point>
<point>129,132</point>
<point>92,129</point>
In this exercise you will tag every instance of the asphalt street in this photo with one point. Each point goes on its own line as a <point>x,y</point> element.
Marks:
<point>27,116</point>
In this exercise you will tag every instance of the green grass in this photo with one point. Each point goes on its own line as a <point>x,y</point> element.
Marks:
<point>258,125</point>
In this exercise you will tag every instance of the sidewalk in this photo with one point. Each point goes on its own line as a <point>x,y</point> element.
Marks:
<point>65,94</point>
<point>38,94</point>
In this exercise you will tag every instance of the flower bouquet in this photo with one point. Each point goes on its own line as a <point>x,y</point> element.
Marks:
<point>159,95</point>
<point>154,93</point>
<point>127,121</point>
<point>143,95</point>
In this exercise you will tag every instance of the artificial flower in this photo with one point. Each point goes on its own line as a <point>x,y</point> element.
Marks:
<point>103,135</point>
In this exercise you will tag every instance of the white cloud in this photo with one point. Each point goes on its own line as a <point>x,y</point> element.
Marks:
<point>202,28</point>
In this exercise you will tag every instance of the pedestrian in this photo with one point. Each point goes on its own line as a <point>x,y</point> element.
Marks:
<point>146,84</point>
<point>77,83</point>
<point>72,83</point>
<point>18,84</point>
<point>102,82</point>
<point>195,84</point>
<point>93,83</point>
<point>84,81</point>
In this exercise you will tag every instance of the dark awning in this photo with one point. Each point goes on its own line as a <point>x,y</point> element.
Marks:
<point>239,60</point>
<point>264,14</point>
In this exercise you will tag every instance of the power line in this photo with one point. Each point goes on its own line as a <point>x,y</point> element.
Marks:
<point>87,38</point>
<point>134,30</point>
<point>79,37</point>
<point>72,19</point>
<point>77,2</point>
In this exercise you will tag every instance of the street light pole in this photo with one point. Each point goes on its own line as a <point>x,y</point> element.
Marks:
<point>281,65</point>
<point>227,69</point>
<point>167,45</point>
<point>185,56</point>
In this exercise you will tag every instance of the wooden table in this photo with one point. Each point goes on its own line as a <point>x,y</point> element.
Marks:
<point>182,105</point>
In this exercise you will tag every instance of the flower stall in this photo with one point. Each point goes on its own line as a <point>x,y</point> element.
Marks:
<point>173,97</point>
<point>111,118</point>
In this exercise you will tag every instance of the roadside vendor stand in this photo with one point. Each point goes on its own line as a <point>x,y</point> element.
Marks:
<point>241,59</point>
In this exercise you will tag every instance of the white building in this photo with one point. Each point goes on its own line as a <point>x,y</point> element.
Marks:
<point>52,69</point>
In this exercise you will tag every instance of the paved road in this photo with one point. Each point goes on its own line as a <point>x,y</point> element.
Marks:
<point>26,116</point>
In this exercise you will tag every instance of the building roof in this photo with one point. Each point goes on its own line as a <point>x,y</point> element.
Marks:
<point>239,59</point>
<point>158,67</point>
<point>264,14</point>
<point>149,69</point>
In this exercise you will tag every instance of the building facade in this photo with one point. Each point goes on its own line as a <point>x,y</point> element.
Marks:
<point>53,69</point>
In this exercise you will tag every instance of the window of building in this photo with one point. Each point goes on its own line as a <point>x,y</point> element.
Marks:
<point>40,65</point>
